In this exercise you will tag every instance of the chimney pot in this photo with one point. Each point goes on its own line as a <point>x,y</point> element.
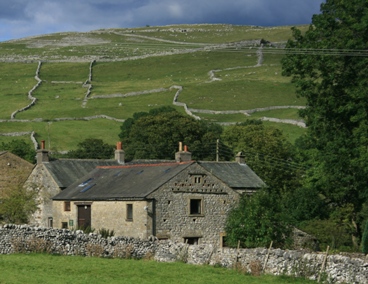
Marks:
<point>183,156</point>
<point>240,158</point>
<point>119,153</point>
<point>42,154</point>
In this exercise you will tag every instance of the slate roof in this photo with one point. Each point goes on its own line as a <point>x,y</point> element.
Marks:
<point>136,181</point>
<point>235,175</point>
<point>133,182</point>
<point>66,171</point>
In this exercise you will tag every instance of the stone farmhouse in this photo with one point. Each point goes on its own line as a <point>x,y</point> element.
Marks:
<point>182,200</point>
<point>13,172</point>
<point>50,177</point>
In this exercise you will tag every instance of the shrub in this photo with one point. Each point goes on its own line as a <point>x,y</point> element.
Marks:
<point>328,233</point>
<point>32,245</point>
<point>123,251</point>
<point>95,250</point>
<point>255,267</point>
<point>105,233</point>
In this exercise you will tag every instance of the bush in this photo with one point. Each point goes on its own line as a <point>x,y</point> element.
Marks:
<point>258,220</point>
<point>105,233</point>
<point>17,207</point>
<point>328,233</point>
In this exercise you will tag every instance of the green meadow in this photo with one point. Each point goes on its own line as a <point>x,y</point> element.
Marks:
<point>135,70</point>
<point>42,268</point>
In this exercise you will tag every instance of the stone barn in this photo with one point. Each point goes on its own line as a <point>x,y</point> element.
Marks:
<point>182,200</point>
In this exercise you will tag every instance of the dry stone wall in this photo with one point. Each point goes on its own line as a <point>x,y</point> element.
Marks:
<point>338,269</point>
<point>33,99</point>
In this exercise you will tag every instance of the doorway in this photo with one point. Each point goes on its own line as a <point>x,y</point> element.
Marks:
<point>84,216</point>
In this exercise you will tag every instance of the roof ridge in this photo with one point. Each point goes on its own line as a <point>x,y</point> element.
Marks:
<point>143,165</point>
<point>76,159</point>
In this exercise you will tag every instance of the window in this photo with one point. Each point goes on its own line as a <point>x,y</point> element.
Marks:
<point>195,207</point>
<point>129,212</point>
<point>223,240</point>
<point>64,225</point>
<point>191,240</point>
<point>196,179</point>
<point>67,206</point>
<point>50,222</point>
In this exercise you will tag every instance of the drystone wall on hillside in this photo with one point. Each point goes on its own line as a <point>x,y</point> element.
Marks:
<point>338,268</point>
<point>30,97</point>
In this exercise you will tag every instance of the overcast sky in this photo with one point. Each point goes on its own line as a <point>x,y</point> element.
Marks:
<point>21,18</point>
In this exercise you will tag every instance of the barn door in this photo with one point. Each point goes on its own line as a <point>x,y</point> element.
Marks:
<point>84,216</point>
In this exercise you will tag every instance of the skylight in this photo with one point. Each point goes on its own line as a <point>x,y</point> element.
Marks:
<point>85,182</point>
<point>88,187</point>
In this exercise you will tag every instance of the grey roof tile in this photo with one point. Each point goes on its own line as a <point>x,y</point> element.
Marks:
<point>235,175</point>
<point>134,181</point>
<point>66,171</point>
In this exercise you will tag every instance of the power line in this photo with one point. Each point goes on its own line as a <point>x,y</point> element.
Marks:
<point>298,51</point>
<point>250,49</point>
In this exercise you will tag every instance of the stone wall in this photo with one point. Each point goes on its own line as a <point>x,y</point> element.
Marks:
<point>338,269</point>
<point>30,97</point>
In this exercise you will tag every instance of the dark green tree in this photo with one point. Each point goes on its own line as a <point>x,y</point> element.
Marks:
<point>327,69</point>
<point>21,149</point>
<point>267,152</point>
<point>92,148</point>
<point>155,135</point>
<point>258,220</point>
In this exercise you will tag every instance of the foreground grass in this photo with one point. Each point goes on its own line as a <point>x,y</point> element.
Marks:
<point>36,268</point>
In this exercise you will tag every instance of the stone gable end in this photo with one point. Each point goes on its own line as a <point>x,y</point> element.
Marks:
<point>43,181</point>
<point>211,198</point>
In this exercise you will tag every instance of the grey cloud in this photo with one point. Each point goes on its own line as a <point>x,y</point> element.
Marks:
<point>23,17</point>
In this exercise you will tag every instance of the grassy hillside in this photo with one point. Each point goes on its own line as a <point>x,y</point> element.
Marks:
<point>217,66</point>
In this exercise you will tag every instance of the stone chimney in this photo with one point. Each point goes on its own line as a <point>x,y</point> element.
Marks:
<point>42,154</point>
<point>183,156</point>
<point>119,153</point>
<point>240,158</point>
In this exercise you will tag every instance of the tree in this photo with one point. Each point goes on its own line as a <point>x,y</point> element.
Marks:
<point>21,149</point>
<point>267,152</point>
<point>155,135</point>
<point>17,206</point>
<point>92,148</point>
<point>257,220</point>
<point>327,70</point>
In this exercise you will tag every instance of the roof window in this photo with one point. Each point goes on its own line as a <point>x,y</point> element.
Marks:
<point>85,182</point>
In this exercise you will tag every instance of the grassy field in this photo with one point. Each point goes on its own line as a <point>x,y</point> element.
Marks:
<point>21,268</point>
<point>236,81</point>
